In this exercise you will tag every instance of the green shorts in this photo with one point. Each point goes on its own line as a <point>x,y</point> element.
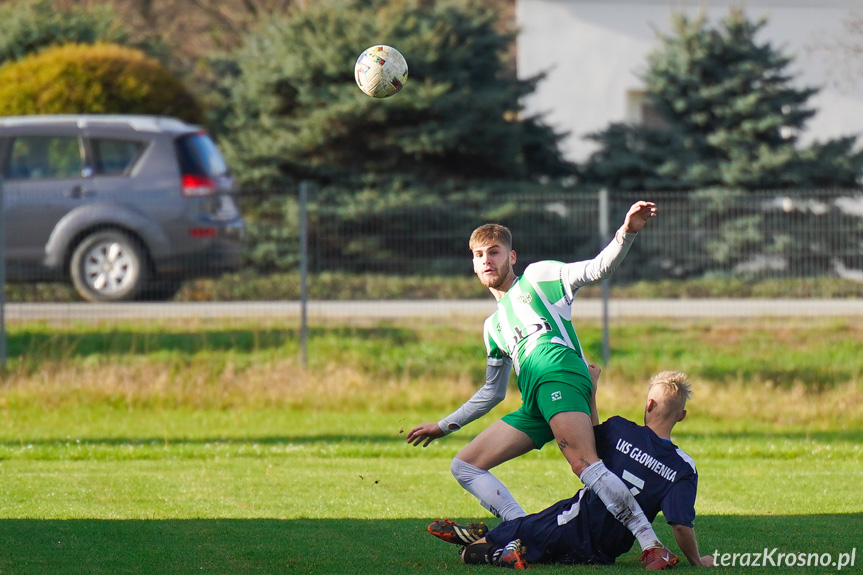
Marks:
<point>552,380</point>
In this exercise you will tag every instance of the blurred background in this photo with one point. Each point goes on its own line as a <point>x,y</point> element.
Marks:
<point>551,117</point>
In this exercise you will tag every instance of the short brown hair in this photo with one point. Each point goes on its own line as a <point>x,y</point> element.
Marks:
<point>490,234</point>
<point>675,388</point>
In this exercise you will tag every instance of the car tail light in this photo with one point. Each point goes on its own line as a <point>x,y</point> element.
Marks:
<point>203,232</point>
<point>198,186</point>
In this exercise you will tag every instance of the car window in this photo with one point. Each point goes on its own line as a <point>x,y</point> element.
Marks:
<point>115,157</point>
<point>36,157</point>
<point>199,156</point>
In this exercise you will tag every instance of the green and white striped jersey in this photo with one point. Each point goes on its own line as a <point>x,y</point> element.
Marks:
<point>538,307</point>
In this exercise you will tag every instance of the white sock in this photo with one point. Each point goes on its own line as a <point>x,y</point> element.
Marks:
<point>620,503</point>
<point>492,494</point>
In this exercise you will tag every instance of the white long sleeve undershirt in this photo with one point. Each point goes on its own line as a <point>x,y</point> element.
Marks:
<point>496,379</point>
<point>578,274</point>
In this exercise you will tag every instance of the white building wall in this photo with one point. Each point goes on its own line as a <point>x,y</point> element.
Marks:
<point>594,52</point>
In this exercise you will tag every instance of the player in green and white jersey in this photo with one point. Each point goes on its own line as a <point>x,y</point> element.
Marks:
<point>532,332</point>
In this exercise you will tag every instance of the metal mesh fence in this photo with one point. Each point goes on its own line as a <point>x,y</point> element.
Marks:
<point>746,237</point>
<point>711,234</point>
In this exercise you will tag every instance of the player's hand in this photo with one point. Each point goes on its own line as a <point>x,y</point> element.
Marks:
<point>427,432</point>
<point>637,216</point>
<point>707,561</point>
<point>594,370</point>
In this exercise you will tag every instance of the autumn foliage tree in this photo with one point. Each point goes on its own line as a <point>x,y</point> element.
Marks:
<point>98,79</point>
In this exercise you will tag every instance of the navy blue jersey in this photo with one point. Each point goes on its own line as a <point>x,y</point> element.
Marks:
<point>661,476</point>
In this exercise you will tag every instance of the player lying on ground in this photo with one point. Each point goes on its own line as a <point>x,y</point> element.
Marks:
<point>532,332</point>
<point>580,530</point>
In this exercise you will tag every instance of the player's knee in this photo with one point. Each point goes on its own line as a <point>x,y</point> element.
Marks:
<point>463,471</point>
<point>578,465</point>
<point>458,470</point>
<point>579,460</point>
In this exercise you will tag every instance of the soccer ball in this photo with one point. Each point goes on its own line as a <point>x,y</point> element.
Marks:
<point>381,71</point>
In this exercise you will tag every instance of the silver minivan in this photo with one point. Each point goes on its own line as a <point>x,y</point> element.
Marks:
<point>123,207</point>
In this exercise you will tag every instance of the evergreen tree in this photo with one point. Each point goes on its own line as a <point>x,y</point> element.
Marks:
<point>733,120</point>
<point>295,111</point>
<point>732,125</point>
<point>455,131</point>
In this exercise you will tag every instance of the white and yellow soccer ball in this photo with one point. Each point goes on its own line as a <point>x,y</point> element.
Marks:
<point>381,71</point>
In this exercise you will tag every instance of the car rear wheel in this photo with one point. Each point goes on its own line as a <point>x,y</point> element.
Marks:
<point>108,266</point>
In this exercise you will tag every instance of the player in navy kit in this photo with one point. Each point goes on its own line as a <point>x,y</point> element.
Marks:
<point>580,530</point>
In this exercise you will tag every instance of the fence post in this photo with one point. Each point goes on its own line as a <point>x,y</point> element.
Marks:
<point>304,269</point>
<point>2,277</point>
<point>606,283</point>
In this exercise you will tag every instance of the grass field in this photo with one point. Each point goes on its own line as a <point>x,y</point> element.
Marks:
<point>206,448</point>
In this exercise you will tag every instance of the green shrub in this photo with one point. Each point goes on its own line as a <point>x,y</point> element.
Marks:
<point>96,79</point>
<point>30,26</point>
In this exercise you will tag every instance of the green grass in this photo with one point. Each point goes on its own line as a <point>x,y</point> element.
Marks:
<point>167,547</point>
<point>261,492</point>
<point>205,447</point>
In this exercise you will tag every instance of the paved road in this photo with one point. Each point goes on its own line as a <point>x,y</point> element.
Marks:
<point>583,308</point>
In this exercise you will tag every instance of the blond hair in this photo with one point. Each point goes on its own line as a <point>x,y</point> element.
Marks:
<point>674,388</point>
<point>491,234</point>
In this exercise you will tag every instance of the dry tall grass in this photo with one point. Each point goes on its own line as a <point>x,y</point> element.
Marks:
<point>779,371</point>
<point>284,383</point>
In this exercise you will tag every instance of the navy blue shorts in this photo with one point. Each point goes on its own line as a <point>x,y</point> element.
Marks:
<point>545,540</point>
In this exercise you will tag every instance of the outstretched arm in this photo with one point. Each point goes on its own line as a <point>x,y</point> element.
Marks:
<point>489,395</point>
<point>685,537</point>
<point>578,274</point>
